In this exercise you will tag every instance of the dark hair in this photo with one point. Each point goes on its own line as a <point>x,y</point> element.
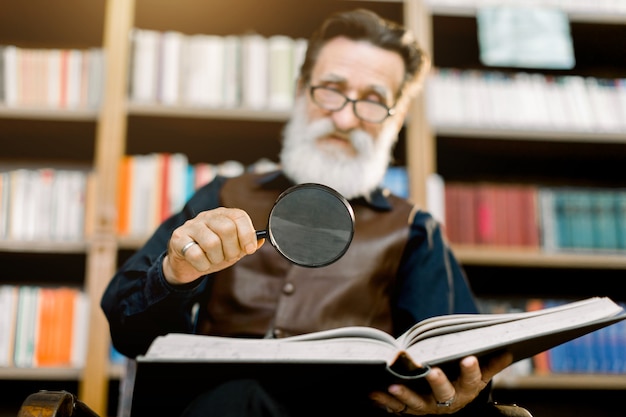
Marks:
<point>362,24</point>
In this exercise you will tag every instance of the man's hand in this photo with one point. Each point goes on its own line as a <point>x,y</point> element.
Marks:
<point>446,397</point>
<point>213,240</point>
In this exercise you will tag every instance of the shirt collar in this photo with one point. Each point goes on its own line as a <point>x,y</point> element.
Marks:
<point>377,199</point>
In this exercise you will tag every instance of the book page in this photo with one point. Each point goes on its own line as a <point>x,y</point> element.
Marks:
<point>188,347</point>
<point>351,331</point>
<point>538,327</point>
<point>458,322</point>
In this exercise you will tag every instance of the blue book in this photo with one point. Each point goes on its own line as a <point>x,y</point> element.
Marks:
<point>604,220</point>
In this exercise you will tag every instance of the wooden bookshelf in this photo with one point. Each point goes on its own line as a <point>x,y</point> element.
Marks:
<point>119,127</point>
<point>538,156</point>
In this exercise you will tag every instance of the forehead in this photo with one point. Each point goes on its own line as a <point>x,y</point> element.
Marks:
<point>360,64</point>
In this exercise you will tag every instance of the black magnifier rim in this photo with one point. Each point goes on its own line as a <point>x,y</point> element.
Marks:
<point>340,198</point>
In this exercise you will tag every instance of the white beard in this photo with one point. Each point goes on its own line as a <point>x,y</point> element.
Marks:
<point>304,161</point>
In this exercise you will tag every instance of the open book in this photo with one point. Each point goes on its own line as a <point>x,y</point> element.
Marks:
<point>361,354</point>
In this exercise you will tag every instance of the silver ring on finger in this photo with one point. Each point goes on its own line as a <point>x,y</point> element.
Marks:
<point>187,246</point>
<point>446,403</point>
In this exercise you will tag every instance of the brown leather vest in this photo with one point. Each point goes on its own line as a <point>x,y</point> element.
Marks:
<point>265,293</point>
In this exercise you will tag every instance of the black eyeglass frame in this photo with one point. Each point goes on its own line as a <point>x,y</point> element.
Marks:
<point>312,88</point>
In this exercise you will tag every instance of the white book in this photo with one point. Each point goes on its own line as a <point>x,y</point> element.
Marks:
<point>37,77</point>
<point>435,197</point>
<point>96,77</point>
<point>281,77</point>
<point>143,180</point>
<point>204,76</point>
<point>620,92</point>
<point>80,330</point>
<point>26,326</point>
<point>436,96</point>
<point>76,205</point>
<point>255,71</point>
<point>604,104</point>
<point>524,104</point>
<point>177,182</point>
<point>74,76</point>
<point>8,306</point>
<point>475,98</point>
<point>11,75</point>
<point>541,113</point>
<point>43,198</point>
<point>54,78</point>
<point>5,190</point>
<point>60,214</point>
<point>232,71</point>
<point>547,218</point>
<point>557,104</point>
<point>144,66</point>
<point>170,67</point>
<point>30,208</point>
<point>18,209</point>
<point>577,94</point>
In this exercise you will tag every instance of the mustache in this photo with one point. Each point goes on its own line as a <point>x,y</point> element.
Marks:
<point>358,138</point>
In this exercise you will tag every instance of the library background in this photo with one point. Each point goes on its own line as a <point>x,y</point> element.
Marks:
<point>517,145</point>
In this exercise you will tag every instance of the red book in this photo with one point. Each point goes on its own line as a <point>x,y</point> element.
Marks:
<point>485,214</point>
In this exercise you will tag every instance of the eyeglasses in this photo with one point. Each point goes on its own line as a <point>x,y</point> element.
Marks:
<point>333,100</point>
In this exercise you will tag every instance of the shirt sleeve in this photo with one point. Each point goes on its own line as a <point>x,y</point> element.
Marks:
<point>138,302</point>
<point>430,280</point>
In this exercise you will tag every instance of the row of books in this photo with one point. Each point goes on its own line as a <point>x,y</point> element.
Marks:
<point>45,204</point>
<point>153,186</point>
<point>553,218</point>
<point>599,352</point>
<point>51,78</point>
<point>43,326</point>
<point>570,6</point>
<point>201,70</point>
<point>491,214</point>
<point>523,100</point>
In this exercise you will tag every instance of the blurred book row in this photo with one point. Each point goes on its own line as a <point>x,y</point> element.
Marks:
<point>45,204</point>
<point>43,326</point>
<point>51,78</point>
<point>249,71</point>
<point>551,218</point>
<point>492,99</point>
<point>154,186</point>
<point>599,352</point>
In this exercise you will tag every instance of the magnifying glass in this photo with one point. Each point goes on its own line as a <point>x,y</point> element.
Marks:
<point>310,224</point>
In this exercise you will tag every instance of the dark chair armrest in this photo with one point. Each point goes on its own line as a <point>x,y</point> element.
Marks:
<point>512,410</point>
<point>54,404</point>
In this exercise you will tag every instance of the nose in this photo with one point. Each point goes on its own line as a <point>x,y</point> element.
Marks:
<point>345,119</point>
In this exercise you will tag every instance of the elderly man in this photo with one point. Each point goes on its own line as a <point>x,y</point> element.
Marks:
<point>357,80</point>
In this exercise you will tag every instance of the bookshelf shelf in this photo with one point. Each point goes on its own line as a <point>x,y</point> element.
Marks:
<point>530,134</point>
<point>564,382</point>
<point>38,246</point>
<point>206,113</point>
<point>48,114</point>
<point>495,256</point>
<point>56,374</point>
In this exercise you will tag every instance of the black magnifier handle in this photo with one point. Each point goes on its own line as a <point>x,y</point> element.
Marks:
<point>261,234</point>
